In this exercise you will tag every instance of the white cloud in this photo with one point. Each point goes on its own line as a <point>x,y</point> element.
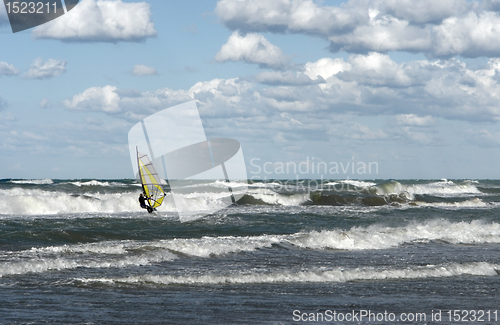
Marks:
<point>325,67</point>
<point>412,96</point>
<point>252,48</point>
<point>96,99</point>
<point>424,11</point>
<point>45,69</point>
<point>382,33</point>
<point>282,15</point>
<point>101,21</point>
<point>436,28</point>
<point>375,84</point>
<point>217,97</point>
<point>142,70</point>
<point>414,120</point>
<point>128,104</point>
<point>8,69</point>
<point>472,35</point>
<point>287,78</point>
<point>378,70</point>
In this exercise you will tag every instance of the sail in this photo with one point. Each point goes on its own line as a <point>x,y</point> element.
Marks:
<point>150,181</point>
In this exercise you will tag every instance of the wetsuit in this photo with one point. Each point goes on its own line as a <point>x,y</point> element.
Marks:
<point>142,202</point>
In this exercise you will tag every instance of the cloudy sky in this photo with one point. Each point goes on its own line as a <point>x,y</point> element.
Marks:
<point>410,85</point>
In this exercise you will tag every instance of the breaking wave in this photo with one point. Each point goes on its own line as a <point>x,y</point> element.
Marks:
<point>48,197</point>
<point>273,198</point>
<point>442,188</point>
<point>32,181</point>
<point>92,183</point>
<point>472,203</point>
<point>120,254</point>
<point>21,201</point>
<point>378,237</point>
<point>40,264</point>
<point>314,276</point>
<point>356,183</point>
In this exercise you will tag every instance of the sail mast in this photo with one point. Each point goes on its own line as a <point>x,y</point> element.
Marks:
<point>139,169</point>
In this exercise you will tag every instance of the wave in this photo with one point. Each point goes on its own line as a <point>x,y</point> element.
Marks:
<point>364,193</point>
<point>91,183</point>
<point>120,254</point>
<point>311,276</point>
<point>374,237</point>
<point>41,265</point>
<point>22,201</point>
<point>378,237</point>
<point>95,196</point>
<point>33,181</point>
<point>473,203</point>
<point>233,184</point>
<point>359,184</point>
<point>443,188</point>
<point>357,238</point>
<point>273,198</point>
<point>267,185</point>
<point>101,183</point>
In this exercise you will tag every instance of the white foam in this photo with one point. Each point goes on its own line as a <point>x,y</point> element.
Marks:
<point>33,181</point>
<point>379,237</point>
<point>124,253</point>
<point>331,184</point>
<point>108,254</point>
<point>233,184</point>
<point>137,253</point>
<point>472,203</point>
<point>94,248</point>
<point>21,201</point>
<point>45,263</point>
<point>210,246</point>
<point>356,238</point>
<point>269,196</point>
<point>310,276</point>
<point>91,183</point>
<point>268,185</point>
<point>444,188</point>
<point>360,184</point>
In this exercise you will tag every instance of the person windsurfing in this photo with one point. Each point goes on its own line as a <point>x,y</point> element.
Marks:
<point>142,202</point>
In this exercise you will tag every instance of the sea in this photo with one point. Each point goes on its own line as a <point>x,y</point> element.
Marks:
<point>288,252</point>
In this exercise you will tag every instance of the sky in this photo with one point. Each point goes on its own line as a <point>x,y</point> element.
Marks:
<point>410,88</point>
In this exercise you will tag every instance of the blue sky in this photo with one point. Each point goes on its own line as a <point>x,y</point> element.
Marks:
<point>412,86</point>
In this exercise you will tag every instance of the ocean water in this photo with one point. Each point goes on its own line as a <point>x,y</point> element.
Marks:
<point>344,252</point>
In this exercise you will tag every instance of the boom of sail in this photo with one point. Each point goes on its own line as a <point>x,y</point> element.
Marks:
<point>151,184</point>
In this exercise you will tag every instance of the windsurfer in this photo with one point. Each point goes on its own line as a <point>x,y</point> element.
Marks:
<point>142,202</point>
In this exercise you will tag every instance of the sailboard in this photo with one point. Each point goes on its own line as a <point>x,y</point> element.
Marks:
<point>151,184</point>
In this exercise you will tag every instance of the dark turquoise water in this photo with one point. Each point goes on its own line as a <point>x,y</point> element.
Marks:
<point>82,251</point>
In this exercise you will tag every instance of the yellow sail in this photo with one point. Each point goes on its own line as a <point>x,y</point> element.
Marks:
<point>150,181</point>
